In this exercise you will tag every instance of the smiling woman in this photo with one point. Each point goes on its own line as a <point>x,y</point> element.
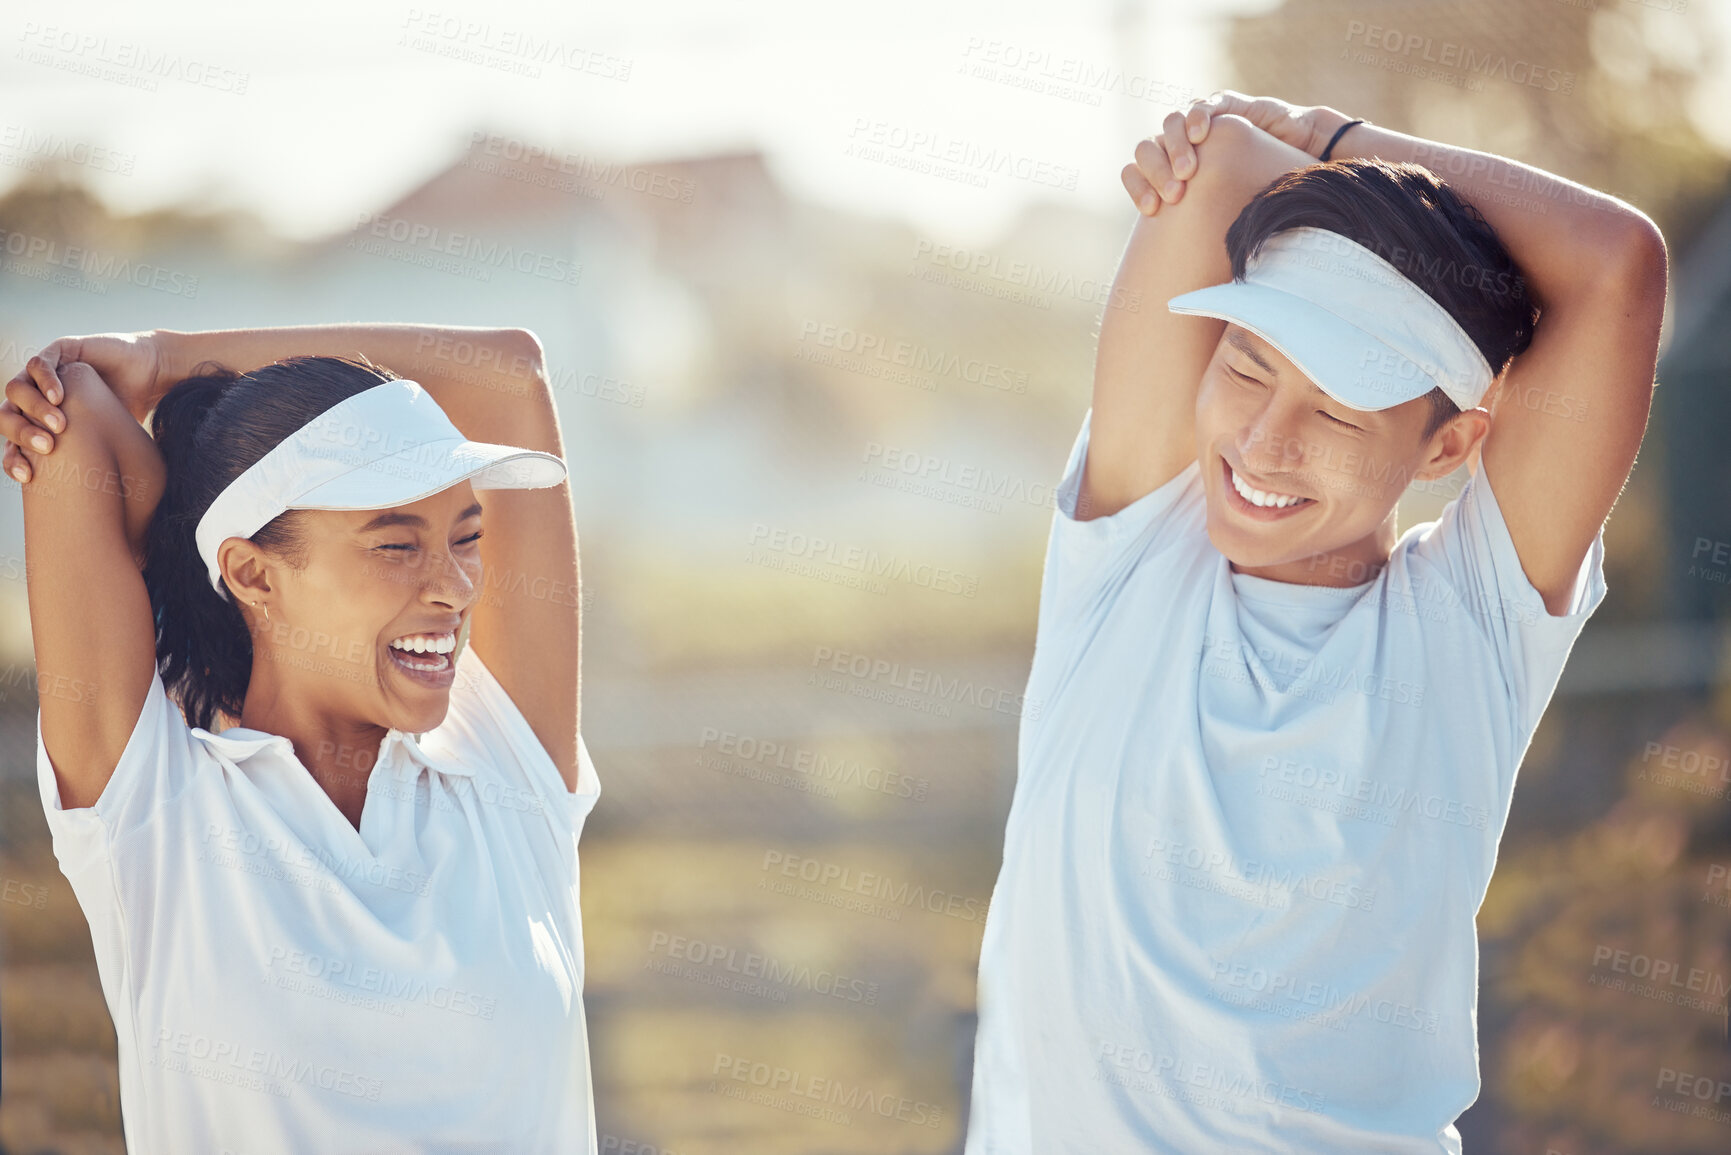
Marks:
<point>307,539</point>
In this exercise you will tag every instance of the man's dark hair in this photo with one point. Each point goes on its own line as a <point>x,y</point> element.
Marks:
<point>1406,215</point>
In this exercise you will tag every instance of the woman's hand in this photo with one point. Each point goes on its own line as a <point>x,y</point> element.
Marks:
<point>1165,163</point>
<point>131,364</point>
<point>26,415</point>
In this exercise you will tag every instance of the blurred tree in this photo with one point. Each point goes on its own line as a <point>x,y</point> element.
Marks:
<point>1600,96</point>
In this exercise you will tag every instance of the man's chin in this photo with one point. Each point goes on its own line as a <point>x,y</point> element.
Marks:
<point>1245,545</point>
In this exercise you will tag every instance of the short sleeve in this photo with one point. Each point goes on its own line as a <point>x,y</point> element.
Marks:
<point>493,721</point>
<point>1469,547</point>
<point>160,757</point>
<point>1083,556</point>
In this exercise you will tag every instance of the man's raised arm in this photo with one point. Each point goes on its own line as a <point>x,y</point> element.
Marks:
<point>1150,362</point>
<point>1570,411</point>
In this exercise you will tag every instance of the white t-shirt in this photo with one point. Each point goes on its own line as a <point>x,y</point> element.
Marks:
<point>1252,825</point>
<point>282,982</point>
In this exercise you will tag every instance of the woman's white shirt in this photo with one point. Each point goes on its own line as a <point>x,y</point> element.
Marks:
<point>283,982</point>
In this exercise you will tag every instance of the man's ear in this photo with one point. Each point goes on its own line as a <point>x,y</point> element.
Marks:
<point>1450,446</point>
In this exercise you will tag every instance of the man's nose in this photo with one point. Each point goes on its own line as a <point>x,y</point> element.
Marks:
<point>1271,441</point>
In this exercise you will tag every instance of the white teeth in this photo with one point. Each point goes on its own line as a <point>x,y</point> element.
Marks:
<point>425,644</point>
<point>1258,497</point>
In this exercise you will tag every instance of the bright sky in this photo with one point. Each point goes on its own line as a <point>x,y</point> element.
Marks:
<point>347,103</point>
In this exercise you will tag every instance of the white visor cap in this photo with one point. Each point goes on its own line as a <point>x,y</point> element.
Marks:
<point>386,446</point>
<point>1349,320</point>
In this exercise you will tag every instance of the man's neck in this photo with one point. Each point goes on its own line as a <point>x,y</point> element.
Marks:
<point>1351,565</point>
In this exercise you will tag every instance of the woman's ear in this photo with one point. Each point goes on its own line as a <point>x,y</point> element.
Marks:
<point>245,570</point>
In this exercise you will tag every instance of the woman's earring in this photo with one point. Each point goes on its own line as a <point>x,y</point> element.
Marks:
<point>266,610</point>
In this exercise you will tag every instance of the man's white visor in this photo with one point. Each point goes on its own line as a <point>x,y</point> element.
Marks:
<point>1349,320</point>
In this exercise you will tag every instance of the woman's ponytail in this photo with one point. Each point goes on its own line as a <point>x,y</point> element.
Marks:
<point>202,649</point>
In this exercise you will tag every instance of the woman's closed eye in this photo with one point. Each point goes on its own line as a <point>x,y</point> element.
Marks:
<point>474,537</point>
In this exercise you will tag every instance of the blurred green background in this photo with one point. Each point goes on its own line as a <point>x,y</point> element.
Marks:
<point>836,277</point>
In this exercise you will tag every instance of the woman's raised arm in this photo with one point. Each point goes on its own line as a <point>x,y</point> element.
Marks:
<point>86,509</point>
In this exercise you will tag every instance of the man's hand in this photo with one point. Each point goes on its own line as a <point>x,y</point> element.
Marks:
<point>130,364</point>
<point>1165,163</point>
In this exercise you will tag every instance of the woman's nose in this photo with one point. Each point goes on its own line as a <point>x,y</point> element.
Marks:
<point>449,578</point>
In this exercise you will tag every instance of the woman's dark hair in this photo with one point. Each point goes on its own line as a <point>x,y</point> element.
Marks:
<point>1407,216</point>
<point>210,428</point>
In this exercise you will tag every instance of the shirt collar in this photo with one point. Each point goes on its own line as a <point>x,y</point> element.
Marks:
<point>400,751</point>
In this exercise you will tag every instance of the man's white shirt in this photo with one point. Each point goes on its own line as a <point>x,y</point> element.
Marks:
<point>1253,823</point>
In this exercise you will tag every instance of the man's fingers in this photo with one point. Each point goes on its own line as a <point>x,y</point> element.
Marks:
<point>1174,136</point>
<point>1157,170</point>
<point>1196,125</point>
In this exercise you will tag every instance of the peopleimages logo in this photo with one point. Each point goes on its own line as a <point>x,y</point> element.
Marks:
<point>1449,54</point>
<point>87,268</point>
<point>812,764</point>
<point>866,562</point>
<point>1381,795</point>
<point>871,884</point>
<point>754,972</point>
<point>911,356</point>
<point>222,1060</point>
<point>1130,1066</point>
<point>973,268</point>
<point>921,471</point>
<point>895,682</point>
<point>923,150</point>
<point>441,242</point>
<point>343,975</point>
<point>797,1085</point>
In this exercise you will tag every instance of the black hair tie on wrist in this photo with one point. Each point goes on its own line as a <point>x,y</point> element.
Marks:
<point>1335,139</point>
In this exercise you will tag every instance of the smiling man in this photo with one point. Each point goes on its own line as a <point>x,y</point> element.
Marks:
<point>1259,805</point>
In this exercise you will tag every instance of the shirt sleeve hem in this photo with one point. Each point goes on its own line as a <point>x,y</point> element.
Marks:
<point>1588,588</point>
<point>123,778</point>
<point>545,774</point>
<point>1129,519</point>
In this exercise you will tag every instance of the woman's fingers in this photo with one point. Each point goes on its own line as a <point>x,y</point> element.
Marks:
<point>16,467</point>
<point>14,424</point>
<point>11,460</point>
<point>28,393</point>
<point>52,356</point>
<point>47,371</point>
<point>18,429</point>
